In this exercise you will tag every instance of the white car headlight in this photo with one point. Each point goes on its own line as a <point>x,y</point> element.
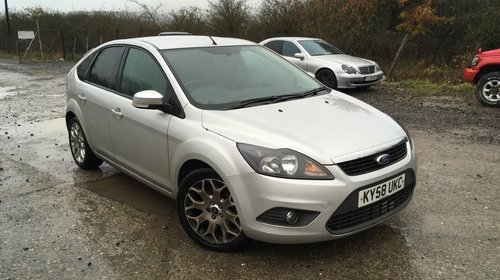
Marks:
<point>284,163</point>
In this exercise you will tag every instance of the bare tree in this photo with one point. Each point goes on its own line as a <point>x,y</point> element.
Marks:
<point>151,13</point>
<point>229,17</point>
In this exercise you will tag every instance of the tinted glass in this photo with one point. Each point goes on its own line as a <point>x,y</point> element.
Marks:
<point>106,66</point>
<point>222,77</point>
<point>82,68</point>
<point>290,49</point>
<point>319,47</point>
<point>276,46</point>
<point>141,72</point>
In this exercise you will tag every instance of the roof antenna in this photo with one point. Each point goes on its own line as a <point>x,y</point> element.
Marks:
<point>213,42</point>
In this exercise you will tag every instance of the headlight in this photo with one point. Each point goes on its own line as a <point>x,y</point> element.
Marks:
<point>475,60</point>
<point>284,163</point>
<point>348,69</point>
<point>377,68</point>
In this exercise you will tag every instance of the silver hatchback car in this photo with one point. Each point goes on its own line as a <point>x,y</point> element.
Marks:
<point>326,62</point>
<point>249,145</point>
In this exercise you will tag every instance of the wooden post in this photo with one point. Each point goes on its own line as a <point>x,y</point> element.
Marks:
<point>73,49</point>
<point>9,37</point>
<point>62,42</point>
<point>396,58</point>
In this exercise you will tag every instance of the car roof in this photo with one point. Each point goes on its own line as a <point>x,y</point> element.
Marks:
<point>184,41</point>
<point>293,38</point>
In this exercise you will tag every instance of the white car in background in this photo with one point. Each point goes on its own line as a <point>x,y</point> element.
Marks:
<point>326,62</point>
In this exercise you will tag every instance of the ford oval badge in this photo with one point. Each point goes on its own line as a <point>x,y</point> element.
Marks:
<point>383,159</point>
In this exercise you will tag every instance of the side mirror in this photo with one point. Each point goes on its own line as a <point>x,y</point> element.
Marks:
<point>300,56</point>
<point>148,99</point>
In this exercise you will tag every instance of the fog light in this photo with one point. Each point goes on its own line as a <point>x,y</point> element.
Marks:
<point>292,217</point>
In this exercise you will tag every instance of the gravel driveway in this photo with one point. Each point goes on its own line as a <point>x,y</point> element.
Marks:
<point>59,222</point>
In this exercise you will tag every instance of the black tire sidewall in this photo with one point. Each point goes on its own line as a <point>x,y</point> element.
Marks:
<point>329,72</point>
<point>480,85</point>
<point>187,182</point>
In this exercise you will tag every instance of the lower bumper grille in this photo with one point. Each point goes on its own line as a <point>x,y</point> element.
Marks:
<point>349,218</point>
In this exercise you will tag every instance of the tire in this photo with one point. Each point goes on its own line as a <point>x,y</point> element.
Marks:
<point>327,77</point>
<point>488,89</point>
<point>207,212</point>
<point>80,149</point>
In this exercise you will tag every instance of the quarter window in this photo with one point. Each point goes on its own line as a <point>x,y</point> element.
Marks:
<point>83,68</point>
<point>106,67</point>
<point>141,72</point>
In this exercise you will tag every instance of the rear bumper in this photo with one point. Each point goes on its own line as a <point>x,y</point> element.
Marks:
<point>470,74</point>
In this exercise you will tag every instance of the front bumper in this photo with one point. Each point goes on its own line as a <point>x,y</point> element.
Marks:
<point>470,74</point>
<point>255,194</point>
<point>345,80</point>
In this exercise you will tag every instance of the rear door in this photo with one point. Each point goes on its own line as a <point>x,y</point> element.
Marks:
<point>140,135</point>
<point>94,94</point>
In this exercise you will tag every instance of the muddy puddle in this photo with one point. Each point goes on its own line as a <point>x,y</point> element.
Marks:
<point>126,190</point>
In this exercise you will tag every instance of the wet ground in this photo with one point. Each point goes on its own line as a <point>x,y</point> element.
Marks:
<point>57,221</point>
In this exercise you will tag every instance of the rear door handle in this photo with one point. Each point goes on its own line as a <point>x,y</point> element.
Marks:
<point>117,113</point>
<point>82,97</point>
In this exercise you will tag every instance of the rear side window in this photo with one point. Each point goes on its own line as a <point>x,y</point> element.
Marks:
<point>141,72</point>
<point>105,67</point>
<point>276,46</point>
<point>83,67</point>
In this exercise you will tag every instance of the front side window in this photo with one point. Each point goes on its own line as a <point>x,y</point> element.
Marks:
<point>106,67</point>
<point>319,47</point>
<point>141,72</point>
<point>224,77</point>
<point>289,49</point>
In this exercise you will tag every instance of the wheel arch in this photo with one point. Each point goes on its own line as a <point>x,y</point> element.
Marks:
<point>485,70</point>
<point>221,156</point>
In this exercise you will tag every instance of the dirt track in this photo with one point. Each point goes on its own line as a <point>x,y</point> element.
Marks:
<point>57,221</point>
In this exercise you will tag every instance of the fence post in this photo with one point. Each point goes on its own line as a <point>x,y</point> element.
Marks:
<point>73,49</point>
<point>62,42</point>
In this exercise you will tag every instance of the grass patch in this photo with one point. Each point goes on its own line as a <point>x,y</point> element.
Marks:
<point>426,87</point>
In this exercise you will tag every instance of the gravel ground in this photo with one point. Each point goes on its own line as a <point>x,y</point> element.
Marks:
<point>57,221</point>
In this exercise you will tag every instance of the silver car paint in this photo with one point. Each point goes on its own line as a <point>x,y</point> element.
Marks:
<point>327,127</point>
<point>312,64</point>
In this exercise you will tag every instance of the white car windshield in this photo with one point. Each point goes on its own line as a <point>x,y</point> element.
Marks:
<point>222,78</point>
<point>319,47</point>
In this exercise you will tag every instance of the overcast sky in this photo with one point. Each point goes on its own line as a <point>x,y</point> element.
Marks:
<point>108,5</point>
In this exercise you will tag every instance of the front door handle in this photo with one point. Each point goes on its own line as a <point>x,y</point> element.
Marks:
<point>117,113</point>
<point>82,97</point>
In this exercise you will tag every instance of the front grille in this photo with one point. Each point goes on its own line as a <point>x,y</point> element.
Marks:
<point>342,222</point>
<point>369,163</point>
<point>365,70</point>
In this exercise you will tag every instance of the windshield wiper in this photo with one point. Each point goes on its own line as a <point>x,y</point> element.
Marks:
<point>280,98</point>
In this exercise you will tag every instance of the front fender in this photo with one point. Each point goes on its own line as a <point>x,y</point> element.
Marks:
<point>218,152</point>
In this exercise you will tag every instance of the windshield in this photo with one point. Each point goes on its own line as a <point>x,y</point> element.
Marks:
<point>227,77</point>
<point>319,47</point>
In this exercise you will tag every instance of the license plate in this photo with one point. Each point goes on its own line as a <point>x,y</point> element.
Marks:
<point>371,78</point>
<point>380,191</point>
